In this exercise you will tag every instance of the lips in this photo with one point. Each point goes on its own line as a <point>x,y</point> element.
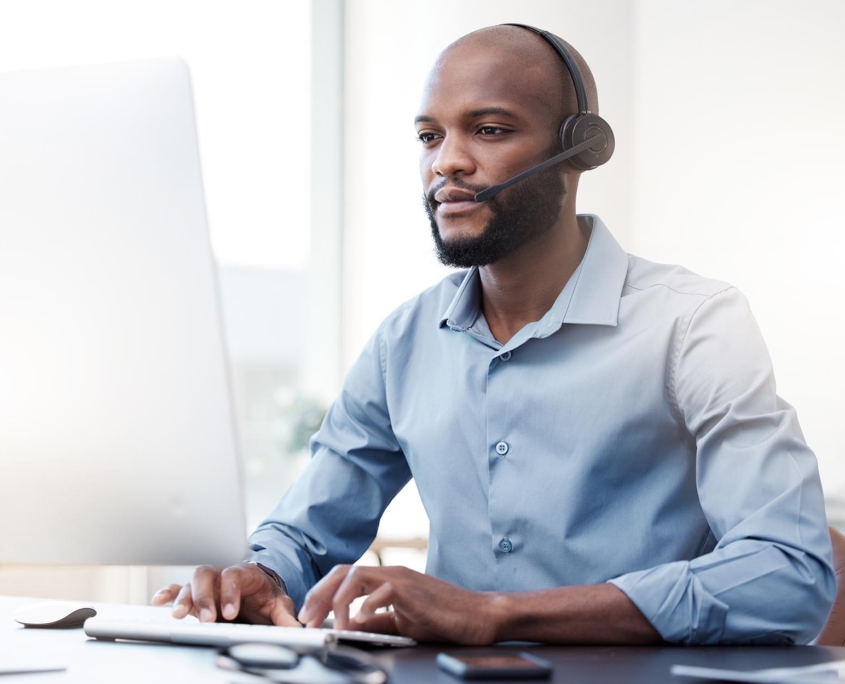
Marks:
<point>450,208</point>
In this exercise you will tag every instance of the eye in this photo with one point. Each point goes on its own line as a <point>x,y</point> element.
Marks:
<point>492,130</point>
<point>426,137</point>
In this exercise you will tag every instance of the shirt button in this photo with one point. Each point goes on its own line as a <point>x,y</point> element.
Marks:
<point>502,448</point>
<point>506,356</point>
<point>505,545</point>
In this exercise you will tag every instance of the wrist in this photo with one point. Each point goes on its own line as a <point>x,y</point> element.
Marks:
<point>499,613</point>
<point>272,574</point>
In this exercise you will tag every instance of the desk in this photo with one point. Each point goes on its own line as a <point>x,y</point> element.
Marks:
<point>89,660</point>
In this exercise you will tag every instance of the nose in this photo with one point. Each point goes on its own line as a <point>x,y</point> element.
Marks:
<point>453,158</point>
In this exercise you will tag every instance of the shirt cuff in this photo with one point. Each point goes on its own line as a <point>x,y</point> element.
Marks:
<point>287,571</point>
<point>676,603</point>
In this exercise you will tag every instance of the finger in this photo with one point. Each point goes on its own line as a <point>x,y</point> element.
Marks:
<point>184,602</point>
<point>203,589</point>
<point>380,623</point>
<point>360,581</point>
<point>380,598</point>
<point>230,592</point>
<point>318,601</point>
<point>166,595</point>
<point>283,613</point>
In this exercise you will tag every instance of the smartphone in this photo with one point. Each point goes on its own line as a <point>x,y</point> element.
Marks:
<point>495,666</point>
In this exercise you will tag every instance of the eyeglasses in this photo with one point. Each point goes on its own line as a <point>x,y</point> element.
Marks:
<point>283,665</point>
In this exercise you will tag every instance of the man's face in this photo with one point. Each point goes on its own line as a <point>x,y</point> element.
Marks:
<point>484,118</point>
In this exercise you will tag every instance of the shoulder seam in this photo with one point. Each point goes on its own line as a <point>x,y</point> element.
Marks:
<point>680,338</point>
<point>381,362</point>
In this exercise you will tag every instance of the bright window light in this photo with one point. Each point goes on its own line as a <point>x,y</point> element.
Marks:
<point>251,69</point>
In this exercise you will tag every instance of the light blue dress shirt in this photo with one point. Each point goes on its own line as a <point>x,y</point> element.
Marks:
<point>632,435</point>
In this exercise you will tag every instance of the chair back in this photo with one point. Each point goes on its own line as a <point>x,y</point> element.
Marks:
<point>833,633</point>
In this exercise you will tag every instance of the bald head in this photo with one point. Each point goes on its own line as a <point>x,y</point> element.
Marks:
<point>532,52</point>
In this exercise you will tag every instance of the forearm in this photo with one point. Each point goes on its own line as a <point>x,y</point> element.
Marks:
<point>594,614</point>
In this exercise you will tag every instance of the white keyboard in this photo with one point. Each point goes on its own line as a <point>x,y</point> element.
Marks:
<point>224,634</point>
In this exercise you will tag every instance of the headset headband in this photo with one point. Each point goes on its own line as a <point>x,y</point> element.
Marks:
<point>586,140</point>
<point>571,64</point>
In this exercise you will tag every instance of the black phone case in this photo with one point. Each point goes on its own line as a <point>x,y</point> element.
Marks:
<point>453,666</point>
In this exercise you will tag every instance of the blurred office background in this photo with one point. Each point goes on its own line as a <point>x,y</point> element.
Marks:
<point>729,161</point>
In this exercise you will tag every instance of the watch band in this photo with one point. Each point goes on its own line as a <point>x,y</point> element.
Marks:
<point>272,574</point>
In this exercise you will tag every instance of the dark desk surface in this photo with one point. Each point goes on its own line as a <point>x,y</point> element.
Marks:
<point>89,660</point>
<point>615,664</point>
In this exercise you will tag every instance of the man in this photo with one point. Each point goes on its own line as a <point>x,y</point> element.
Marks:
<point>596,438</point>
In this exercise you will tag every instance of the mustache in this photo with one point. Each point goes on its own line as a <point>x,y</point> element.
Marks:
<point>455,183</point>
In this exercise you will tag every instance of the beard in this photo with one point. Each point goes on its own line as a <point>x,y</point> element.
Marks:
<point>532,208</point>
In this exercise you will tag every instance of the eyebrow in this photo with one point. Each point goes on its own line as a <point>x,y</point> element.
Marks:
<point>472,114</point>
<point>487,111</point>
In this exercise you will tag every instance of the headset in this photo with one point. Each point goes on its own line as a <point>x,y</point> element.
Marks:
<point>586,139</point>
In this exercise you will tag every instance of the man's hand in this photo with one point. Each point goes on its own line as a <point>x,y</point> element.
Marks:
<point>424,608</point>
<point>242,591</point>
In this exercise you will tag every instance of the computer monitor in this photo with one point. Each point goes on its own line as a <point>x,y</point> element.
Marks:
<point>117,443</point>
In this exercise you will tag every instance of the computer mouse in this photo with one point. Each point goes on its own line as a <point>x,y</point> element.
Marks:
<point>53,614</point>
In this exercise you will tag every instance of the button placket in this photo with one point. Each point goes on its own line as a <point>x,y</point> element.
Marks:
<point>500,423</point>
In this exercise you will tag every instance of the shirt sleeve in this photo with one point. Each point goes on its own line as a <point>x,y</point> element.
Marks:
<point>330,515</point>
<point>769,578</point>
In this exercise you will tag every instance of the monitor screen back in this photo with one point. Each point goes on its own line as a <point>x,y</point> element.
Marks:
<point>117,442</point>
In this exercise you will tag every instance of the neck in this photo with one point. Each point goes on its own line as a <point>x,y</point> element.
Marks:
<point>523,286</point>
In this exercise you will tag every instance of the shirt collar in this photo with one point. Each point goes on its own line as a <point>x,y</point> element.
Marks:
<point>591,296</point>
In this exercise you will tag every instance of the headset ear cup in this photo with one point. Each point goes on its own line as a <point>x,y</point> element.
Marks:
<point>577,129</point>
<point>564,133</point>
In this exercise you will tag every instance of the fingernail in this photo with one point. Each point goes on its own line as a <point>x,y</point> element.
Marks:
<point>229,611</point>
<point>303,615</point>
<point>205,615</point>
<point>178,611</point>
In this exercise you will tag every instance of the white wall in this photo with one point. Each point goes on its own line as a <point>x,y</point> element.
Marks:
<point>240,61</point>
<point>738,174</point>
